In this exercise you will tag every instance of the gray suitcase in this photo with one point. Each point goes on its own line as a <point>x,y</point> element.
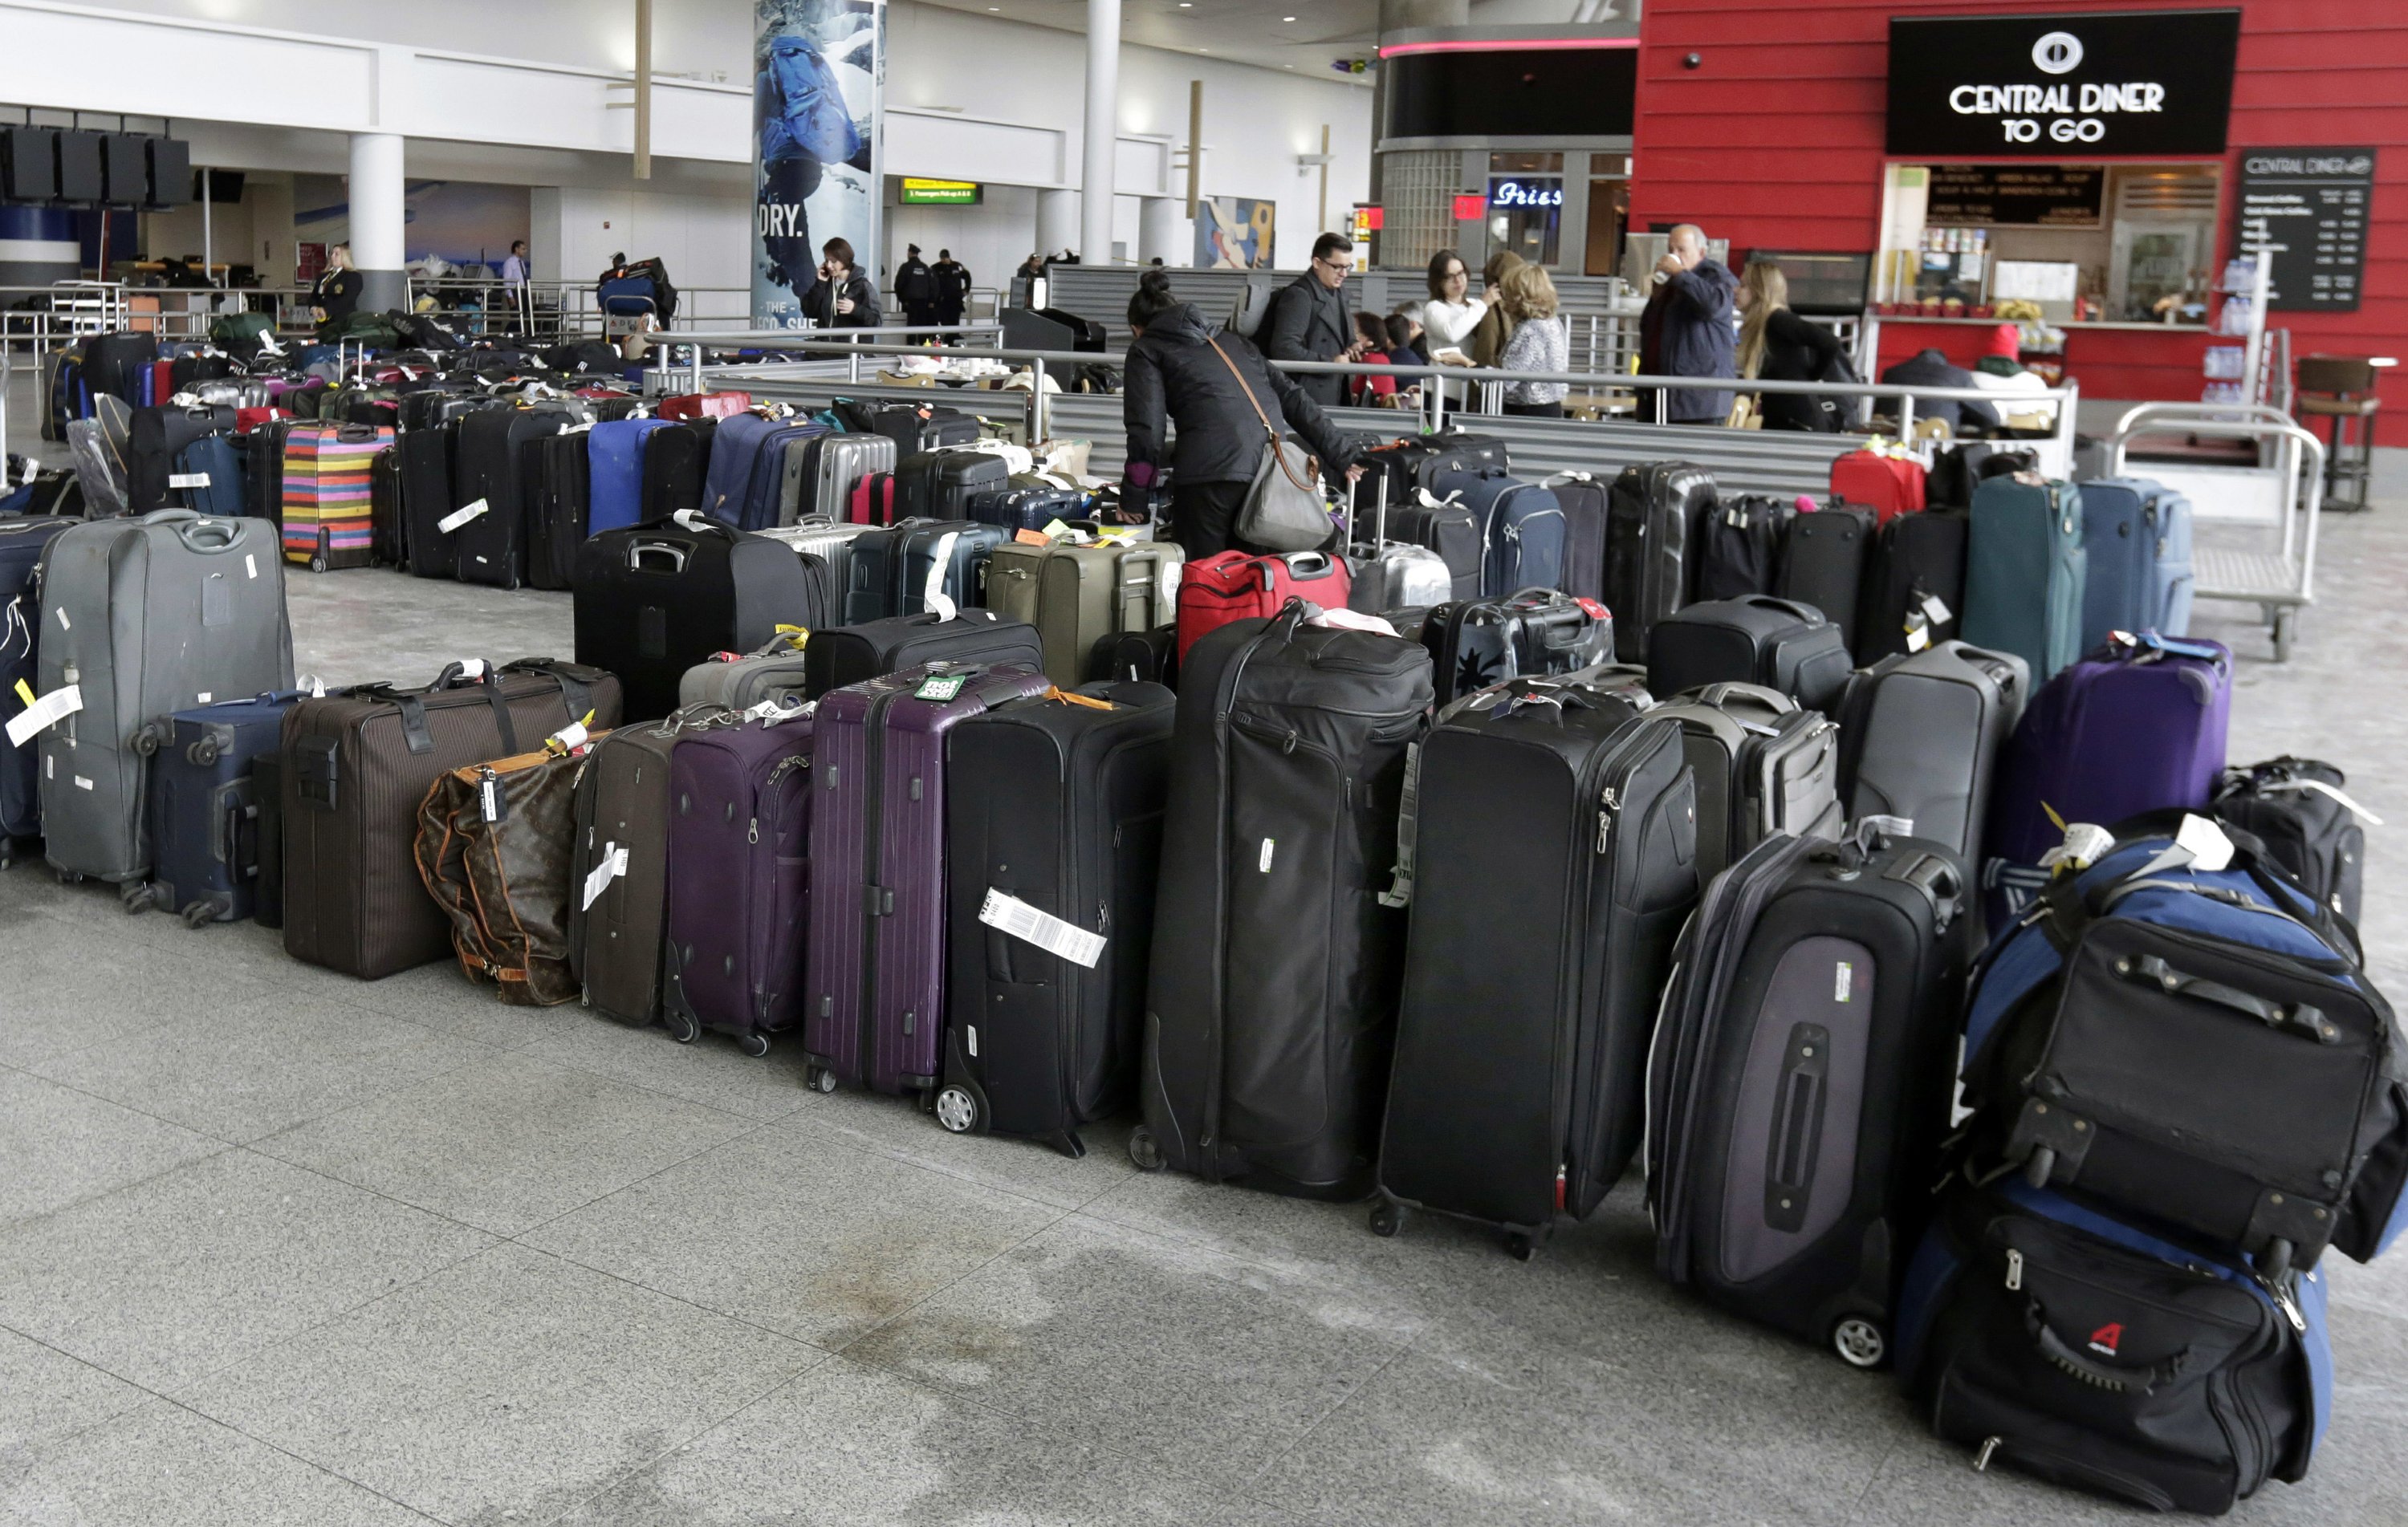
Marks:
<point>1763,766</point>
<point>822,472</point>
<point>1391,575</point>
<point>1920,735</point>
<point>771,675</point>
<point>830,541</point>
<point>146,616</point>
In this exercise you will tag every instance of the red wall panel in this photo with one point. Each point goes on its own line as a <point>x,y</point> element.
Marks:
<point>1775,142</point>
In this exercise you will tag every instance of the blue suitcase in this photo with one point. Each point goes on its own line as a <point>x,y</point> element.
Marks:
<point>1522,529</point>
<point>205,808</point>
<point>214,481</point>
<point>1025,506</point>
<point>2026,573</point>
<point>614,462</point>
<point>2136,534</point>
<point>22,544</point>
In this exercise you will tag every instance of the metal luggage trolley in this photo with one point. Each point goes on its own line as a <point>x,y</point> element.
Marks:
<point>2280,497</point>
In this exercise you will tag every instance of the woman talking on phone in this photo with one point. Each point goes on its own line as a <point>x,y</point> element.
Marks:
<point>842,297</point>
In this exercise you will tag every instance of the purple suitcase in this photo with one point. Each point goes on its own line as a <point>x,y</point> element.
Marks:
<point>877,961</point>
<point>2136,726</point>
<point>738,880</point>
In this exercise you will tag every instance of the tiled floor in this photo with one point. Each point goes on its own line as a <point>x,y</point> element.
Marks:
<point>278,1247</point>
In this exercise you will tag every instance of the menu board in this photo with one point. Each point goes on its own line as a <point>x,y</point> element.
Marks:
<point>1995,195</point>
<point>2311,205</point>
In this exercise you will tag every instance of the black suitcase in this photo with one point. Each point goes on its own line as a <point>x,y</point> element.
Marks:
<point>1272,998</point>
<point>914,428</point>
<point>388,530</point>
<point>490,547</point>
<point>1823,564</point>
<point>1135,657</point>
<point>654,600</point>
<point>2297,808</point>
<point>1764,766</point>
<point>558,487</point>
<point>264,480</point>
<point>1476,643</point>
<point>1778,643</point>
<point>843,655</point>
<point>939,484</point>
<point>1739,552</point>
<point>1919,738</point>
<point>1654,514</point>
<point>1915,588</point>
<point>428,499</point>
<point>1799,1081</point>
<point>152,442</point>
<point>1449,529</point>
<point>1404,469</point>
<point>1582,498</point>
<point>1515,1096</point>
<point>676,459</point>
<point>1058,806</point>
<point>893,569</point>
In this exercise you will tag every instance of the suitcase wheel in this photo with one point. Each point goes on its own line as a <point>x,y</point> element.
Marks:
<point>206,910</point>
<point>146,739</point>
<point>138,898</point>
<point>1144,1151</point>
<point>683,1026</point>
<point>1522,1243</point>
<point>753,1044</point>
<point>1859,1342</point>
<point>204,751</point>
<point>960,1111</point>
<point>317,565</point>
<point>1388,1218</point>
<point>818,1079</point>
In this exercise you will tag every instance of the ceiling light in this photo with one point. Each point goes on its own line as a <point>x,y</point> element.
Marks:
<point>1287,18</point>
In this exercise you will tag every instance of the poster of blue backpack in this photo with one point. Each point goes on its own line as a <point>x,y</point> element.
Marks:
<point>819,69</point>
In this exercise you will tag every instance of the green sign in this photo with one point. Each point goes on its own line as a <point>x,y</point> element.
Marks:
<point>940,192</point>
<point>941,686</point>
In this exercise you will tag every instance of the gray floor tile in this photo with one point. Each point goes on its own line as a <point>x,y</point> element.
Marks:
<point>854,1446</point>
<point>165,1466</point>
<point>46,1397</point>
<point>440,996</point>
<point>507,1143</point>
<point>75,980</point>
<point>709,1071</point>
<point>515,1382</point>
<point>254,1068</point>
<point>1209,1364</point>
<point>62,1146</point>
<point>791,1232</point>
<point>171,1278</point>
<point>898,1127</point>
<point>365,623</point>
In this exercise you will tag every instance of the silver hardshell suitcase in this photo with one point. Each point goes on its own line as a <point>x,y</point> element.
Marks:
<point>829,541</point>
<point>145,617</point>
<point>1391,575</point>
<point>836,463</point>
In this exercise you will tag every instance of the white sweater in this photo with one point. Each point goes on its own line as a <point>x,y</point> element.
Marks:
<point>1447,324</point>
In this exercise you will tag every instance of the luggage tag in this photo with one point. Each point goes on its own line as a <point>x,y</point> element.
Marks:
<point>1043,929</point>
<point>188,479</point>
<point>490,799</point>
<point>612,864</point>
<point>2295,786</point>
<point>940,687</point>
<point>1918,631</point>
<point>932,594</point>
<point>461,516</point>
<point>40,715</point>
<point>1031,537</point>
<point>570,738</point>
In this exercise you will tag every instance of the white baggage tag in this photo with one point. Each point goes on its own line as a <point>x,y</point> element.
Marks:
<point>568,739</point>
<point>2210,850</point>
<point>1918,632</point>
<point>64,624</point>
<point>472,667</point>
<point>188,479</point>
<point>938,603</point>
<point>1936,610</point>
<point>1043,929</point>
<point>44,713</point>
<point>250,565</point>
<point>460,516</point>
<point>612,864</point>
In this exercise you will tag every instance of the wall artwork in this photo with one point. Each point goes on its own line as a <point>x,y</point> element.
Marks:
<point>1234,233</point>
<point>819,73</point>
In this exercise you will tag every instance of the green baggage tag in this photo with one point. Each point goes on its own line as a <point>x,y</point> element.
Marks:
<point>941,686</point>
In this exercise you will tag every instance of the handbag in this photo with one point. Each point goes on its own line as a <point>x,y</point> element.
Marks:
<point>1283,511</point>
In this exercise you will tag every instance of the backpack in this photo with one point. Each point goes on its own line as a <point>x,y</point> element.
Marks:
<point>807,117</point>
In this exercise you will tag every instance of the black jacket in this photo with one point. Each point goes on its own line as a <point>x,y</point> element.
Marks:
<point>1932,369</point>
<point>1308,321</point>
<point>915,285</point>
<point>819,304</point>
<point>953,288</point>
<point>338,292</point>
<point>1686,331</point>
<point>1800,350</point>
<point>1171,371</point>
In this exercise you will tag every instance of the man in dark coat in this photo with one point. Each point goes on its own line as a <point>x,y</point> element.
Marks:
<point>915,290</point>
<point>1308,320</point>
<point>1687,329</point>
<point>952,291</point>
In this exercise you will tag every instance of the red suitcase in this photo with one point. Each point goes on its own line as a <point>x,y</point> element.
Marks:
<point>704,405</point>
<point>1233,586</point>
<point>873,500</point>
<point>1888,485</point>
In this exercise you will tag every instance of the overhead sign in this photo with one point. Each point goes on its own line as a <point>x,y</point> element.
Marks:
<point>1997,195</point>
<point>1470,208</point>
<point>940,192</point>
<point>2061,87</point>
<point>1526,193</point>
<point>2309,206</point>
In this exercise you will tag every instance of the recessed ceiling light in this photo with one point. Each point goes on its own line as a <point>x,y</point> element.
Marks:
<point>1287,18</point>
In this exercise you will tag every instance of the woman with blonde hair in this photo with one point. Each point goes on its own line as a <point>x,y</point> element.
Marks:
<point>1540,341</point>
<point>1777,345</point>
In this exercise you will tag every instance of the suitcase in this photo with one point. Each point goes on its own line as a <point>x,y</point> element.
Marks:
<point>736,444</point>
<point>1453,531</point>
<point>1385,575</point>
<point>652,601</point>
<point>704,405</point>
<point>355,769</point>
<point>2136,551</point>
<point>2081,1349</point>
<point>388,527</point>
<point>1057,803</point>
<point>155,437</point>
<point>1919,740</point>
<point>1531,1109</point>
<point>1738,551</point>
<point>490,545</point>
<point>327,517</point>
<point>835,464</point>
<point>2297,808</point>
<point>210,478</point>
<point>1888,485</point>
<point>1581,497</point>
<point>1135,657</point>
<point>776,485</point>
<point>493,848</point>
<point>1076,595</point>
<point>559,484</point>
<point>263,480</point>
<point>845,655</point>
<point>22,543</point>
<point>874,1012</point>
<point>1477,643</point>
<point>1763,766</point>
<point>1404,469</point>
<point>1235,586</point>
<point>914,428</point>
<point>874,501</point>
<point>674,463</point>
<point>1020,505</point>
<point>1271,996</point>
<point>428,499</point>
<point>831,544</point>
<point>939,484</point>
<point>2196,1046</point>
<point>204,807</point>
<point>739,836</point>
<point>146,618</point>
<point>617,919</point>
<point>914,566</point>
<point>773,678</point>
<point>1654,514</point>
<point>1799,1082</point>
<point>1914,587</point>
<point>1522,529</point>
<point>2026,573</point>
<point>1958,470</point>
<point>1823,564</point>
<point>615,453</point>
<point>1779,643</point>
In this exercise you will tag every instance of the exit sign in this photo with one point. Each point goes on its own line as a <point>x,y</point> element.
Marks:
<point>1470,208</point>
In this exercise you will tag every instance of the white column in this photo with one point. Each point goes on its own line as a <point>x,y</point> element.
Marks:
<point>1057,221</point>
<point>376,214</point>
<point>1103,130</point>
<point>1158,231</point>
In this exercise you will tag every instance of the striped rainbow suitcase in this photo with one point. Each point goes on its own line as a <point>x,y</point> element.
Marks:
<point>329,499</point>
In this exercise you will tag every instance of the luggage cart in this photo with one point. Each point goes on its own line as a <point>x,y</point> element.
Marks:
<point>2281,496</point>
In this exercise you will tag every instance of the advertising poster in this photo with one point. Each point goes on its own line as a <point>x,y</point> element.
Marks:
<point>819,71</point>
<point>1234,233</point>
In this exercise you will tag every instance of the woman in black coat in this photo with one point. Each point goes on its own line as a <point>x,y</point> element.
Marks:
<point>842,297</point>
<point>1776,345</point>
<point>1172,373</point>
